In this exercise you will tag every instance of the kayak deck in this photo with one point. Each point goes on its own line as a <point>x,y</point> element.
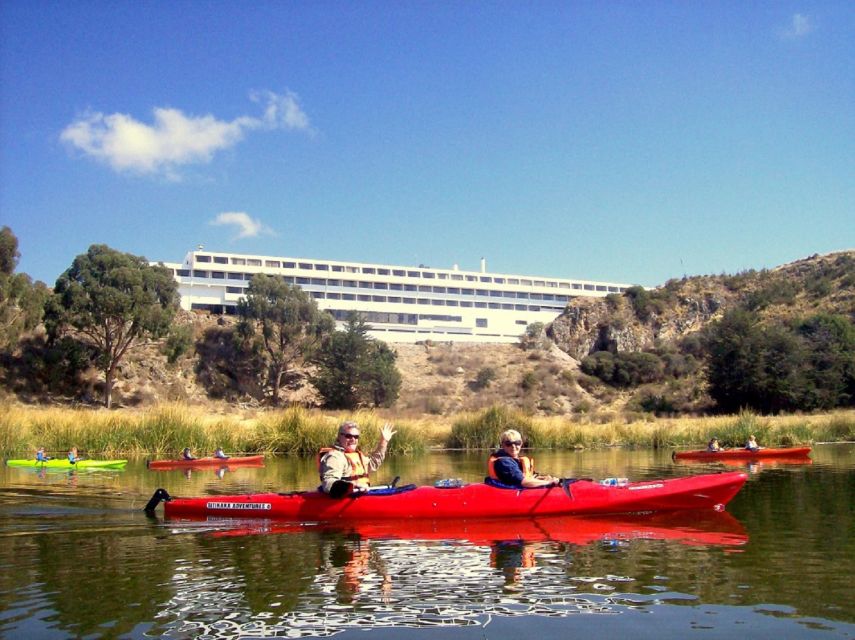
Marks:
<point>710,491</point>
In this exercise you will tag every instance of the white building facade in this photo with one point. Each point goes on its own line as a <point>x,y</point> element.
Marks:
<point>401,304</point>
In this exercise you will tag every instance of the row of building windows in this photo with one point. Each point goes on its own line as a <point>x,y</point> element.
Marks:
<point>385,286</point>
<point>383,271</point>
<point>374,317</point>
<point>467,304</point>
<point>484,293</point>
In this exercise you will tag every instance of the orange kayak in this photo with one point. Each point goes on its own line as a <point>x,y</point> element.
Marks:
<point>742,454</point>
<point>243,461</point>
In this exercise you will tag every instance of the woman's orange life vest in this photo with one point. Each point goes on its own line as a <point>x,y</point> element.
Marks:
<point>525,463</point>
<point>358,466</point>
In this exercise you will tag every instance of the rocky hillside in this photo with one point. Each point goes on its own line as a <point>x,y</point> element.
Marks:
<point>682,307</point>
<point>541,377</point>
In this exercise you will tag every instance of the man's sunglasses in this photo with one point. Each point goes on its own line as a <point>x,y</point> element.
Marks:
<point>355,436</point>
<point>508,443</point>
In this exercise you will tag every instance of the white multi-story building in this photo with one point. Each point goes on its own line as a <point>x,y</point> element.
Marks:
<point>401,304</point>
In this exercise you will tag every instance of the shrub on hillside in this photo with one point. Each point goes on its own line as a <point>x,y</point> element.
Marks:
<point>484,377</point>
<point>624,369</point>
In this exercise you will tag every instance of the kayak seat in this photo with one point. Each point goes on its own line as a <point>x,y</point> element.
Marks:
<point>501,485</point>
<point>390,491</point>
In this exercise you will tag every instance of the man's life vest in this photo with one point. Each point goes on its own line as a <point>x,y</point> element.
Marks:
<point>358,465</point>
<point>525,463</point>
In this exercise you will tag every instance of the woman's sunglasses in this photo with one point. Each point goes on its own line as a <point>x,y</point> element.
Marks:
<point>516,443</point>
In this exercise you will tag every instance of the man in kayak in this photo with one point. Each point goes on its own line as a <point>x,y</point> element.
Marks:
<point>714,446</point>
<point>40,455</point>
<point>752,445</point>
<point>73,458</point>
<point>507,466</point>
<point>187,454</point>
<point>220,454</point>
<point>343,467</point>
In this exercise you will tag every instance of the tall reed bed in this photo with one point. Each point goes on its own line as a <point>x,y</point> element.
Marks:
<point>299,431</point>
<point>482,430</point>
<point>166,429</point>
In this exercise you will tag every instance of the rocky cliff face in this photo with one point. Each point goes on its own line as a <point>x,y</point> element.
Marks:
<point>681,307</point>
<point>612,324</point>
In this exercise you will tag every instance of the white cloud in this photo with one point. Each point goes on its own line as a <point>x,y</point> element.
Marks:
<point>246,226</point>
<point>175,139</point>
<point>799,27</point>
<point>282,111</point>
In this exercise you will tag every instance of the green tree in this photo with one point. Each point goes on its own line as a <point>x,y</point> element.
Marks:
<point>355,370</point>
<point>287,322</point>
<point>733,363</point>
<point>752,366</point>
<point>21,301</point>
<point>112,299</point>
<point>829,371</point>
<point>382,378</point>
<point>178,341</point>
<point>534,337</point>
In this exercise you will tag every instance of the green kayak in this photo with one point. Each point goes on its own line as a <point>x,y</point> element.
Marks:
<point>62,463</point>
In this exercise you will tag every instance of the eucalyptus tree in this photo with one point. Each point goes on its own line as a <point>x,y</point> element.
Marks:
<point>21,300</point>
<point>354,369</point>
<point>112,299</point>
<point>287,322</point>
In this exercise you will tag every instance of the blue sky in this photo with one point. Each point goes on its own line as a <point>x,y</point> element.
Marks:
<point>622,141</point>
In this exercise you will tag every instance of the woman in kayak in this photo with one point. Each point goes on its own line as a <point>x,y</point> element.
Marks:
<point>220,454</point>
<point>343,467</point>
<point>752,445</point>
<point>40,455</point>
<point>507,466</point>
<point>187,454</point>
<point>73,458</point>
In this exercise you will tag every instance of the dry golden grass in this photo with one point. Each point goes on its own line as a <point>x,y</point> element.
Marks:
<point>167,428</point>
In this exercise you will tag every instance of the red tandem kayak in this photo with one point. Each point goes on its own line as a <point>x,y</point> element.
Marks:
<point>245,461</point>
<point>473,501</point>
<point>743,454</point>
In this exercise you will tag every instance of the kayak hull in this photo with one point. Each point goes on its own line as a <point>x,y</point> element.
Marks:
<point>743,454</point>
<point>473,501</point>
<point>62,463</point>
<point>247,461</point>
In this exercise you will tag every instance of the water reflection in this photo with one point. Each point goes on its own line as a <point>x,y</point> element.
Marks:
<point>77,559</point>
<point>430,573</point>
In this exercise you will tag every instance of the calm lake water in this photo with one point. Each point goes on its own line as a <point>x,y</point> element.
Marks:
<point>80,559</point>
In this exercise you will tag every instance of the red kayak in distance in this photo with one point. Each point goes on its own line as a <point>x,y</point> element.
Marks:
<point>199,463</point>
<point>742,454</point>
<point>753,464</point>
<point>686,527</point>
<point>467,502</point>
